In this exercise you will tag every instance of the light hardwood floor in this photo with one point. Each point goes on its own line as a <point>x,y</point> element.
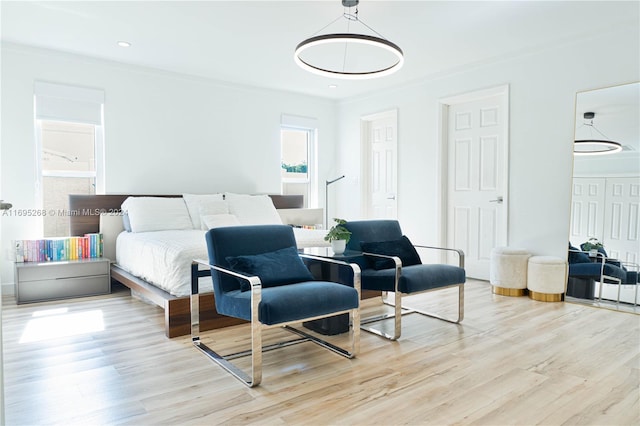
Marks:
<point>512,361</point>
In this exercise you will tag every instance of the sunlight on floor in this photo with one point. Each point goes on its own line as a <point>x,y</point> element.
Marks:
<point>55,323</point>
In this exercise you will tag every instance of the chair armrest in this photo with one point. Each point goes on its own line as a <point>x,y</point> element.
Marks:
<point>633,266</point>
<point>597,256</point>
<point>254,281</point>
<point>460,252</point>
<point>398,266</point>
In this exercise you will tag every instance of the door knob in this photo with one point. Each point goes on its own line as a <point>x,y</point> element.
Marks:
<point>391,197</point>
<point>498,200</point>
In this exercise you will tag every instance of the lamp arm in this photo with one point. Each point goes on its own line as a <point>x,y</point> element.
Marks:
<point>329,182</point>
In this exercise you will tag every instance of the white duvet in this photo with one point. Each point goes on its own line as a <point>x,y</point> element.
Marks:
<point>163,258</point>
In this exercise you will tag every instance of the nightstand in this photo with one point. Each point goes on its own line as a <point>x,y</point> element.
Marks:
<point>38,282</point>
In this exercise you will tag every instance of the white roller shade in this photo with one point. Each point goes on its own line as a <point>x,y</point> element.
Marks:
<point>60,102</point>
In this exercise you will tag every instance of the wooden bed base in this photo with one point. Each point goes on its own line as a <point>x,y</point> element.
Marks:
<point>177,310</point>
<point>85,218</point>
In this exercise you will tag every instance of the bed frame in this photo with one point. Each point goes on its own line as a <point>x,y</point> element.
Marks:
<point>85,218</point>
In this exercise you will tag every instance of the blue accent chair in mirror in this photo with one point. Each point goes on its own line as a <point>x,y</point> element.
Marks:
<point>259,276</point>
<point>390,263</point>
<point>587,267</point>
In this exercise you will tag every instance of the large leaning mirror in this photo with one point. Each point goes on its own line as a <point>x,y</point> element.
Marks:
<point>606,189</point>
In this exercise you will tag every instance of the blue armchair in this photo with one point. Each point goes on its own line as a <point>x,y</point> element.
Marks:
<point>390,263</point>
<point>259,276</point>
<point>586,267</point>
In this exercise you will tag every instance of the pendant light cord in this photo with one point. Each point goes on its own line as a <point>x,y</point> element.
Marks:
<point>596,129</point>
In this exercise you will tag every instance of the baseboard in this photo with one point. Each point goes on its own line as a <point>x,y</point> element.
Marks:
<point>8,289</point>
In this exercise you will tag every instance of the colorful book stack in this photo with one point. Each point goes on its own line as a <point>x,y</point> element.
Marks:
<point>53,249</point>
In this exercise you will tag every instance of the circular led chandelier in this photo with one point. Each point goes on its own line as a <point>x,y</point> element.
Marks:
<point>594,146</point>
<point>349,55</point>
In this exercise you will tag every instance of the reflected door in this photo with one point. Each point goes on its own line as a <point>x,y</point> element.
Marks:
<point>587,210</point>
<point>622,219</point>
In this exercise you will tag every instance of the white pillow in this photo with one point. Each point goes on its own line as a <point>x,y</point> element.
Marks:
<point>212,208</point>
<point>157,214</point>
<point>194,201</point>
<point>253,209</point>
<point>218,220</point>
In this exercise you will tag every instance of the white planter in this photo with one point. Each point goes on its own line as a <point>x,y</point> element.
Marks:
<point>338,246</point>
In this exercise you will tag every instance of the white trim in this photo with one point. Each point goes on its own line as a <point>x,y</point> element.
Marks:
<point>100,157</point>
<point>69,173</point>
<point>63,91</point>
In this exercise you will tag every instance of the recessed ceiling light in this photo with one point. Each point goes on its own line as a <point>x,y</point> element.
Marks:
<point>333,86</point>
<point>124,44</point>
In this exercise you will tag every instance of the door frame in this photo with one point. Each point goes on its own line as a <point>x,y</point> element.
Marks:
<point>365,157</point>
<point>443,123</point>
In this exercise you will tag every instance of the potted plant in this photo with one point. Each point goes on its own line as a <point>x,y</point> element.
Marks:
<point>592,245</point>
<point>338,236</point>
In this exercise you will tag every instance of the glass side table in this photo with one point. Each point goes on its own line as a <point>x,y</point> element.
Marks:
<point>330,272</point>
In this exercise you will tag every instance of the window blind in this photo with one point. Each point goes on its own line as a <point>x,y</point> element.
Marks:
<point>59,102</point>
<point>299,121</point>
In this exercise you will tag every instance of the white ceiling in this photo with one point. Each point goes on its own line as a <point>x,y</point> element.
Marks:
<point>252,42</point>
<point>617,115</point>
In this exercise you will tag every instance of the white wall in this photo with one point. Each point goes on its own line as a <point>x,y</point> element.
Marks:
<point>164,133</point>
<point>543,86</point>
<point>169,133</point>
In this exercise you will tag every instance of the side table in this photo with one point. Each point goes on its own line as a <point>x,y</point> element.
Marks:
<point>340,323</point>
<point>43,281</point>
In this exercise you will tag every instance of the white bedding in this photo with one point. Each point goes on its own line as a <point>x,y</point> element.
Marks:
<point>163,258</point>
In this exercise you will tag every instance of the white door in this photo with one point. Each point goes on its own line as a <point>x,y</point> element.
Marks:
<point>622,219</point>
<point>587,210</point>
<point>477,157</point>
<point>380,158</point>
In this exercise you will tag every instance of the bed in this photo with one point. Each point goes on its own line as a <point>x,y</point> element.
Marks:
<point>155,264</point>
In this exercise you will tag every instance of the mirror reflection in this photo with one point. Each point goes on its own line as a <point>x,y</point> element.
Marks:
<point>605,218</point>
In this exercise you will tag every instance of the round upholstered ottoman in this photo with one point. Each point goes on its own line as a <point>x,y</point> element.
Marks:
<point>508,271</point>
<point>547,278</point>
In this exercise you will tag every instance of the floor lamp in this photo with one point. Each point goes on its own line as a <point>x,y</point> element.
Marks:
<point>326,200</point>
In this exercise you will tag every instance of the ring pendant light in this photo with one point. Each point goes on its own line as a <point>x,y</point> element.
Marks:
<point>595,146</point>
<point>344,65</point>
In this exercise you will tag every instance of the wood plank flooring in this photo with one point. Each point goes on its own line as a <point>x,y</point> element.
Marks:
<point>512,361</point>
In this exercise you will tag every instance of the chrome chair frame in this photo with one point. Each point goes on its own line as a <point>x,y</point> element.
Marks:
<point>255,376</point>
<point>602,259</point>
<point>400,310</point>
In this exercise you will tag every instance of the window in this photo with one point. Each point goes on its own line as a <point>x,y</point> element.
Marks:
<point>69,142</point>
<point>297,144</point>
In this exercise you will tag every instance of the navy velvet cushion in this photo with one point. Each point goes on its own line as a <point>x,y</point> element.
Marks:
<point>575,257</point>
<point>414,279</point>
<point>293,302</point>
<point>593,270</point>
<point>603,252</point>
<point>401,248</point>
<point>275,268</point>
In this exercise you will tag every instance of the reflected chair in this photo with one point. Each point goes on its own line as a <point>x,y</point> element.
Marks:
<point>258,276</point>
<point>391,263</point>
<point>586,267</point>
